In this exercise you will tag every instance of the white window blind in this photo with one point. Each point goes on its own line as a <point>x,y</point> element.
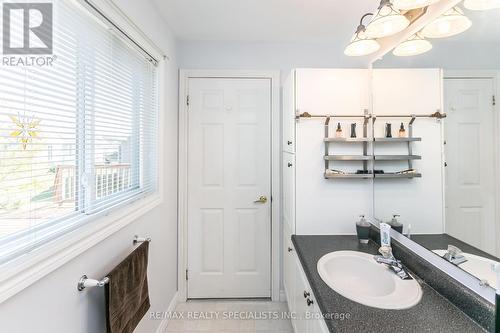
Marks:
<point>78,137</point>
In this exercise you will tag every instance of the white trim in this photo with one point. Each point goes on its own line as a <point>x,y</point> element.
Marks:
<point>20,274</point>
<point>120,18</point>
<point>171,308</point>
<point>274,76</point>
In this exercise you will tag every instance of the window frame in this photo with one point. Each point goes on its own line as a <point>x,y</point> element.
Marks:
<point>87,230</point>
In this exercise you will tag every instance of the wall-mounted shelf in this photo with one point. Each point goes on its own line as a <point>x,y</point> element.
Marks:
<point>398,175</point>
<point>330,175</point>
<point>338,140</point>
<point>397,157</point>
<point>365,157</point>
<point>397,139</point>
<point>348,158</point>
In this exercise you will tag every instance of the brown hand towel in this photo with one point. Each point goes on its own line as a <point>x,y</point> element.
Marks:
<point>127,297</point>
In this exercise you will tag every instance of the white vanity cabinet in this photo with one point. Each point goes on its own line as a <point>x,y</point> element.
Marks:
<point>301,300</point>
<point>289,109</point>
<point>289,191</point>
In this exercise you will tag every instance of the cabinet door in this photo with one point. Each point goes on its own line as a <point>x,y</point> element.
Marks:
<point>288,262</point>
<point>289,191</point>
<point>289,114</point>
<point>300,302</point>
<point>316,323</point>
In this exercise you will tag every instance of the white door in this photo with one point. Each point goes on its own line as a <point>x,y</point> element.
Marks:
<point>229,169</point>
<point>470,159</point>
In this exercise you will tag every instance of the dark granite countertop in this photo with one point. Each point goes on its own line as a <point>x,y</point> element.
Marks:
<point>434,313</point>
<point>441,242</point>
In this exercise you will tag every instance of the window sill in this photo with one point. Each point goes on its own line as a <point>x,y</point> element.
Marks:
<point>23,272</point>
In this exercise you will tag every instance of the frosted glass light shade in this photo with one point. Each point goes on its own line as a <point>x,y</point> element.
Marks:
<point>412,4</point>
<point>386,22</point>
<point>360,45</point>
<point>449,24</point>
<point>481,4</point>
<point>414,45</point>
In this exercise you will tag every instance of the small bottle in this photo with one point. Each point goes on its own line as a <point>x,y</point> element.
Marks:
<point>338,132</point>
<point>395,224</point>
<point>353,130</point>
<point>402,131</point>
<point>385,235</point>
<point>388,130</point>
<point>363,230</point>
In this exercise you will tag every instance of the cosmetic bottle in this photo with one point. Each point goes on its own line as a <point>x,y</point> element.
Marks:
<point>338,132</point>
<point>388,130</point>
<point>385,235</point>
<point>402,131</point>
<point>363,230</point>
<point>353,130</point>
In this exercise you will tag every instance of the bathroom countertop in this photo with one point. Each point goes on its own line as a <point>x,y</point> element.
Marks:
<point>441,242</point>
<point>434,313</point>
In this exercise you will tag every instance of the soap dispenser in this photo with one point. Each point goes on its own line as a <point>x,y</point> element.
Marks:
<point>395,224</point>
<point>363,230</point>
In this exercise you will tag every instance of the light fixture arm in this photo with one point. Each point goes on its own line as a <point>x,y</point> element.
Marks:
<point>361,26</point>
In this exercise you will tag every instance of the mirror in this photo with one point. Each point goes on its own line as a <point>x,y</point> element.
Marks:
<point>452,207</point>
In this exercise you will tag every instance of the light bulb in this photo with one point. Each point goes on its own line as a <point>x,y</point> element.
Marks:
<point>360,45</point>
<point>414,45</point>
<point>481,4</point>
<point>386,22</point>
<point>449,24</point>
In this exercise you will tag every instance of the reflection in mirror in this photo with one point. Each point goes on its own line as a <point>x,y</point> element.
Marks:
<point>453,206</point>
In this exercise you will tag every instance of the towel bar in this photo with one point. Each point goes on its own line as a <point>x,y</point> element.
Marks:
<point>138,239</point>
<point>85,282</point>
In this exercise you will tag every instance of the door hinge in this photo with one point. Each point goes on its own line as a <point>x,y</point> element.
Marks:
<point>187,100</point>
<point>187,276</point>
<point>494,100</point>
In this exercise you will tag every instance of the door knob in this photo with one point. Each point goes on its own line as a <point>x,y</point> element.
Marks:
<point>262,200</point>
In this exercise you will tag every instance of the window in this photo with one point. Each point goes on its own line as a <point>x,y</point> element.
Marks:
<point>77,137</point>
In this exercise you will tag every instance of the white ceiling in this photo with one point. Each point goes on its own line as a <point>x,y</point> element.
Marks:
<point>325,21</point>
<point>265,20</point>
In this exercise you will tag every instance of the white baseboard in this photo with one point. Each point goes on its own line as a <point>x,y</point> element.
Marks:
<point>171,308</point>
<point>282,296</point>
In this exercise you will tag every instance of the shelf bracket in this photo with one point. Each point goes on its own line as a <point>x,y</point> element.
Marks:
<point>410,135</point>
<point>327,134</point>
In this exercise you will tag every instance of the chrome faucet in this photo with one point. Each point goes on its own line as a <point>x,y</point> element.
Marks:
<point>388,259</point>
<point>454,255</point>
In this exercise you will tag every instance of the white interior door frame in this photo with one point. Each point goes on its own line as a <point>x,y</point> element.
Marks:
<point>494,75</point>
<point>274,77</point>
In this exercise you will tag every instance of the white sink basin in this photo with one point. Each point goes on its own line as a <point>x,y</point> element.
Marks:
<point>357,276</point>
<point>478,266</point>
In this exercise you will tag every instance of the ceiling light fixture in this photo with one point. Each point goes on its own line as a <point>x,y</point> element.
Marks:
<point>388,21</point>
<point>449,24</point>
<point>361,45</point>
<point>414,45</point>
<point>412,4</point>
<point>481,4</point>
